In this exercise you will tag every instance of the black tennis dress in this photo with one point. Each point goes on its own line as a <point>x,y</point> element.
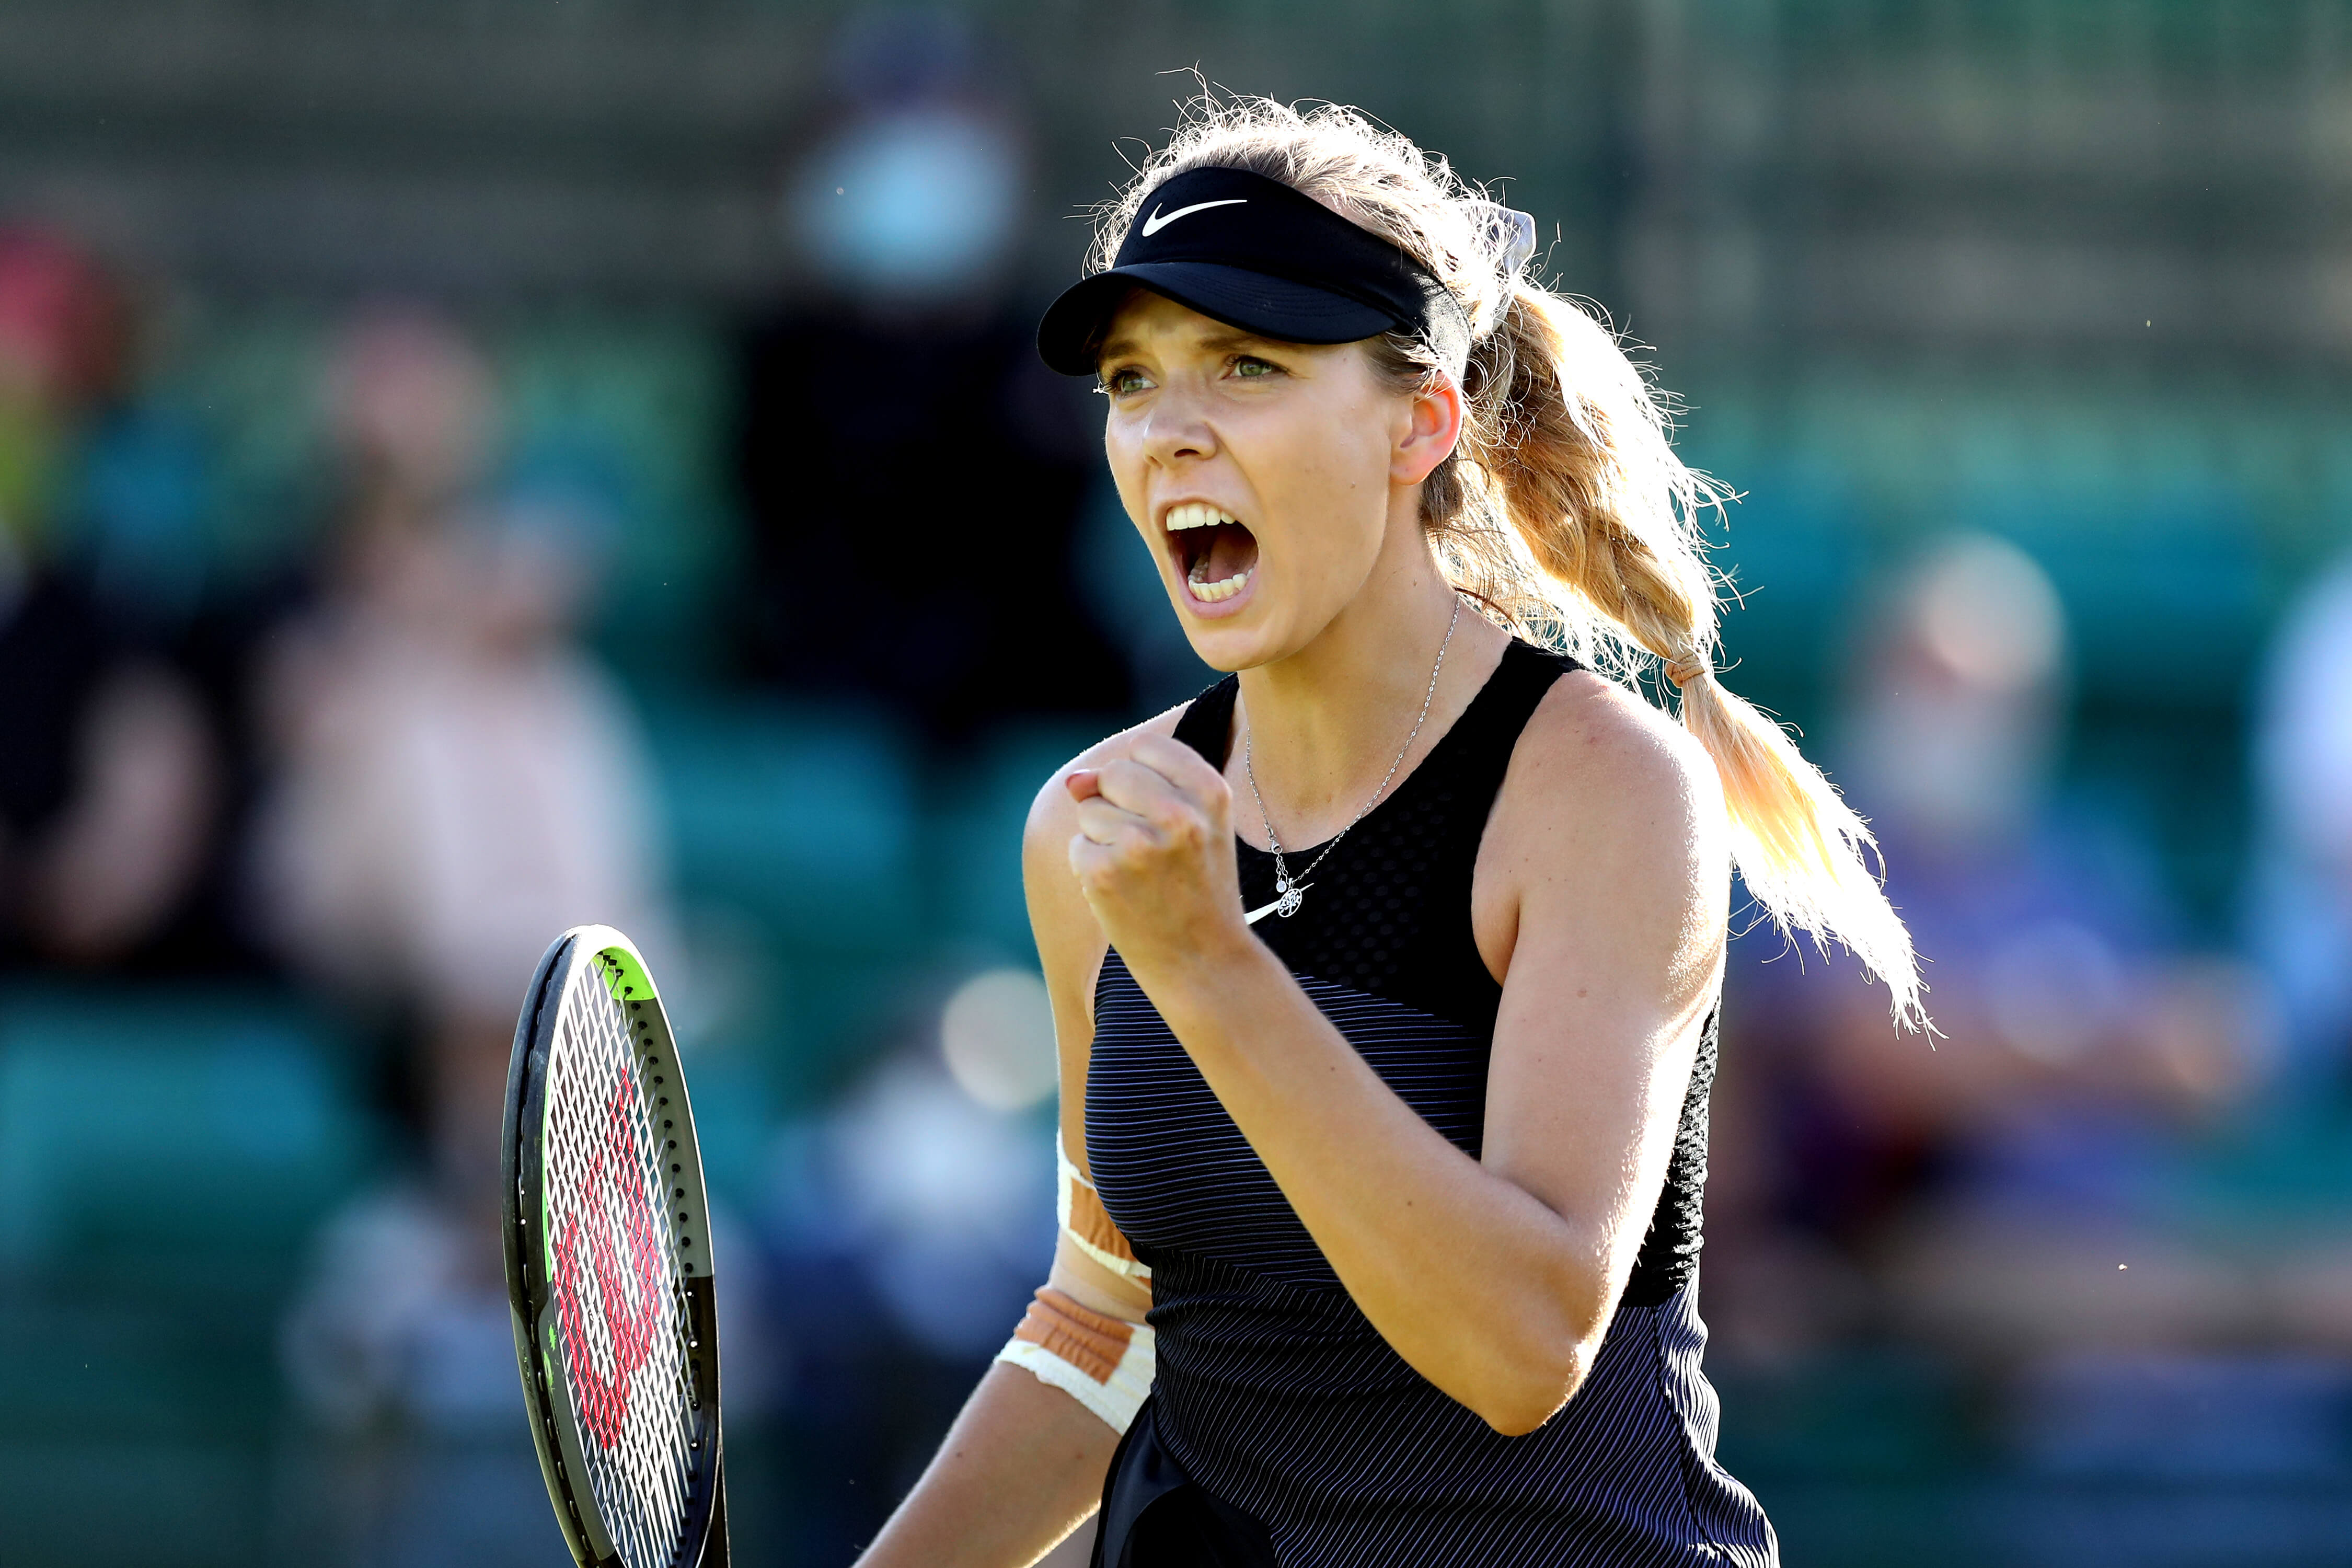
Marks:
<point>1282,1430</point>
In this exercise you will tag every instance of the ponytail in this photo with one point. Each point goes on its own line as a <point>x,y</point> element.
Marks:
<point>1568,444</point>
<point>1564,511</point>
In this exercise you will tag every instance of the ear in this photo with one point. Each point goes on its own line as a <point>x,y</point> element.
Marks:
<point>1433,423</point>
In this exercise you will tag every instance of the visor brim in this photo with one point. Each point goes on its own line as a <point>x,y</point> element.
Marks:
<point>1272,306</point>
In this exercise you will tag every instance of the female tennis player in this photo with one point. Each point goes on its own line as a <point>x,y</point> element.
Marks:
<point>1385,970</point>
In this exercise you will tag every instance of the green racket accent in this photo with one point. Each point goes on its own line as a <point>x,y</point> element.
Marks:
<point>625,975</point>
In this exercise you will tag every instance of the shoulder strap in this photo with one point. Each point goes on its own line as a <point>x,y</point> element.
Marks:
<point>1207,725</point>
<point>1496,714</point>
<point>1511,695</point>
<point>1477,750</point>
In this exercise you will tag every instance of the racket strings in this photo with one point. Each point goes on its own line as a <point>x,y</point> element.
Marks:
<point>625,1326</point>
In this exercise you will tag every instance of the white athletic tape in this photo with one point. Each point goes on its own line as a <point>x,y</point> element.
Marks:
<point>1082,1214</point>
<point>1114,1391</point>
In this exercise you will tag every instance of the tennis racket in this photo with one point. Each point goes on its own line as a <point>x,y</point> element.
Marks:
<point>608,1264</point>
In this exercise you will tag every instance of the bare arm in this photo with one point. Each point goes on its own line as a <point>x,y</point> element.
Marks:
<point>1022,1467</point>
<point>1603,881</point>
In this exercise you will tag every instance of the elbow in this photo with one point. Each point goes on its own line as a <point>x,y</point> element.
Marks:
<point>1539,1386</point>
<point>1549,1360</point>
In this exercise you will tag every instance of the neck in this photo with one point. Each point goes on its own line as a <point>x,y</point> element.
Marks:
<point>1325,723</point>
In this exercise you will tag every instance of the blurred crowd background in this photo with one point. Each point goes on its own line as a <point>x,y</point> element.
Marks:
<point>468,467</point>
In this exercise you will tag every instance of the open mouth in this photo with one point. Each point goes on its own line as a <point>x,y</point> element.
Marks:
<point>1216,553</point>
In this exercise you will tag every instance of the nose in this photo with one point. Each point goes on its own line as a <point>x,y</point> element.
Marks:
<point>1177,426</point>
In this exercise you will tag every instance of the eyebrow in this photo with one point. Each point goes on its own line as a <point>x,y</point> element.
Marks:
<point>1222,338</point>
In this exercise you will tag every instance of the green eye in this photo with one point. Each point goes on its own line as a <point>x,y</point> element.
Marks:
<point>1124,380</point>
<point>1249,369</point>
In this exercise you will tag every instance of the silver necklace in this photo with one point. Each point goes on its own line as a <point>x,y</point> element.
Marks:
<point>1291,891</point>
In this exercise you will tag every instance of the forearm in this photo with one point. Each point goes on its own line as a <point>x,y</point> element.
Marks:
<point>1022,1467</point>
<point>1484,1289</point>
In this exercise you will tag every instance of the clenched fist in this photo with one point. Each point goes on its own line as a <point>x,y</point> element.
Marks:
<point>1154,855</point>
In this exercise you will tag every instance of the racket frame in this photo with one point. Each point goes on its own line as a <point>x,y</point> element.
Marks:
<point>601,955</point>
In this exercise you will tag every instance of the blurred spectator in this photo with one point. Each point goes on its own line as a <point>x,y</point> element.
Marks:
<point>1958,1190</point>
<point>458,784</point>
<point>915,479</point>
<point>110,781</point>
<point>2302,908</point>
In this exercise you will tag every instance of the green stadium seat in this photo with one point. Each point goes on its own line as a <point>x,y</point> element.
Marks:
<point>802,819</point>
<point>795,832</point>
<point>163,1139</point>
<point>2163,586</point>
<point>979,837</point>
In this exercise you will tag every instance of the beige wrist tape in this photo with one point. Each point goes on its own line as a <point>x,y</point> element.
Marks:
<point>1103,1363</point>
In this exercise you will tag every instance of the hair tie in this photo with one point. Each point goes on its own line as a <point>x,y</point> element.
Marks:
<point>1518,241</point>
<point>1688,666</point>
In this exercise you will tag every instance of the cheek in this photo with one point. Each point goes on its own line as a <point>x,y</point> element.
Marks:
<point>1126,463</point>
<point>1333,492</point>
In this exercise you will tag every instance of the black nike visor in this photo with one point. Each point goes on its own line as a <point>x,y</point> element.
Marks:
<point>1255,254</point>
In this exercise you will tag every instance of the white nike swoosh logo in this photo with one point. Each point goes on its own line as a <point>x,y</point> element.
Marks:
<point>1155,223</point>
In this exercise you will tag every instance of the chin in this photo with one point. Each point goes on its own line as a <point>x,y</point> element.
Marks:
<point>1239,633</point>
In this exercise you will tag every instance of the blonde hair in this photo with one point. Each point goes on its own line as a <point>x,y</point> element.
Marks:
<point>1564,511</point>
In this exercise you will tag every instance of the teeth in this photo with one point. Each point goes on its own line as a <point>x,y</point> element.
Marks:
<point>1214,592</point>
<point>1197,514</point>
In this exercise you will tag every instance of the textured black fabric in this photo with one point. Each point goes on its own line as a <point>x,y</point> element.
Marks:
<point>1668,1261</point>
<point>1389,913</point>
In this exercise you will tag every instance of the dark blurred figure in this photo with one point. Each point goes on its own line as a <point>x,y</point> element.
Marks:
<point>110,775</point>
<point>1955,1192</point>
<point>914,477</point>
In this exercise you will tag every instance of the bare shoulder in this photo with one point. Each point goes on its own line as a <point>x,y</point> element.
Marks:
<point>1590,733</point>
<point>1603,784</point>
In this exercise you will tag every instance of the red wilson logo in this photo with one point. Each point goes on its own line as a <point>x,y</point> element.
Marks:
<point>616,1241</point>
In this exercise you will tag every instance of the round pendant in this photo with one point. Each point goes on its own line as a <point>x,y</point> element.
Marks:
<point>1282,884</point>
